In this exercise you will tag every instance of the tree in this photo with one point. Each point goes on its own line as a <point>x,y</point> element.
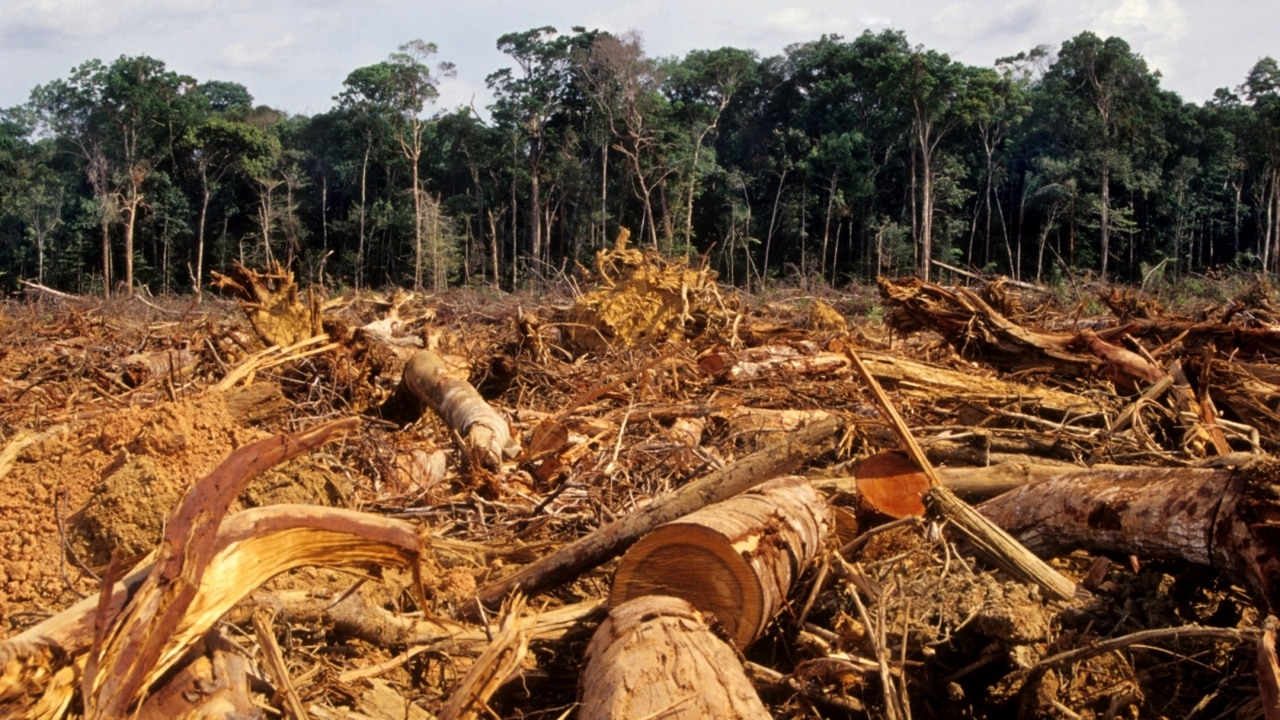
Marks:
<point>700,88</point>
<point>121,120</point>
<point>1262,88</point>
<point>625,85</point>
<point>399,89</point>
<point>937,92</point>
<point>526,102</point>
<point>219,147</point>
<point>1000,105</point>
<point>1104,95</point>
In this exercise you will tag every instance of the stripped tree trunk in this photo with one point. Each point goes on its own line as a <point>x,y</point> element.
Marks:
<point>484,432</point>
<point>736,560</point>
<point>655,657</point>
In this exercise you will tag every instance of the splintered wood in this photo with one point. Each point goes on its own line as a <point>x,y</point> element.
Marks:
<point>644,497</point>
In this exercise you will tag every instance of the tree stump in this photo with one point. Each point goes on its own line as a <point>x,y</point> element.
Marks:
<point>654,656</point>
<point>735,560</point>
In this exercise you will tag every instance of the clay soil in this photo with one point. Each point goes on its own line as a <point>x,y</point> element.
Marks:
<point>96,453</point>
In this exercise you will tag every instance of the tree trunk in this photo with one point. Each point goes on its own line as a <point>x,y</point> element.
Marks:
<point>784,456</point>
<point>735,560</point>
<point>485,432</point>
<point>364,190</point>
<point>196,283</point>
<point>926,203</point>
<point>655,657</point>
<point>1106,216</point>
<point>1216,517</point>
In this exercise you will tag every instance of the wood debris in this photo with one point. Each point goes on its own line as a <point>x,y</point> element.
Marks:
<point>647,496</point>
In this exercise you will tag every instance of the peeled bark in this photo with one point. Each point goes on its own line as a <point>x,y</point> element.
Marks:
<point>735,560</point>
<point>484,432</point>
<point>655,657</point>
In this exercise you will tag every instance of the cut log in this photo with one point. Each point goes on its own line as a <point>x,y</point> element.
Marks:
<point>890,483</point>
<point>484,432</point>
<point>582,555</point>
<point>655,657</point>
<point>1227,519</point>
<point>735,560</point>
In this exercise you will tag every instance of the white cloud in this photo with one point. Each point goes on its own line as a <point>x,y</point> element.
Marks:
<point>260,54</point>
<point>796,22</point>
<point>1163,19</point>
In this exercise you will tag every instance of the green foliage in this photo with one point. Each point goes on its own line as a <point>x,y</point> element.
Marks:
<point>837,158</point>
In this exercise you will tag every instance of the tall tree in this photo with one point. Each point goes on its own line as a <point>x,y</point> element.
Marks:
<point>401,88</point>
<point>700,88</point>
<point>121,120</point>
<point>1104,95</point>
<point>936,90</point>
<point>529,96</point>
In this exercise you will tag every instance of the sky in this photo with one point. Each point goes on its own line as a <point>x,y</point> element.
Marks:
<point>294,54</point>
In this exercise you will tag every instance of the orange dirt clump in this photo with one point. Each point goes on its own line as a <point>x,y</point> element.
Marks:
<point>102,485</point>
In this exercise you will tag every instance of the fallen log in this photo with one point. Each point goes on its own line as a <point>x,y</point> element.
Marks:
<point>977,330</point>
<point>1223,518</point>
<point>484,432</point>
<point>655,657</point>
<point>588,552</point>
<point>972,484</point>
<point>914,379</point>
<point>735,560</point>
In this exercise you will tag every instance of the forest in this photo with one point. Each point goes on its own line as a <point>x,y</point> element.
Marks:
<point>835,162</point>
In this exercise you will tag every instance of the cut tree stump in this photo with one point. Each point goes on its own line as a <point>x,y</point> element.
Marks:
<point>735,560</point>
<point>655,657</point>
<point>1224,518</point>
<point>484,432</point>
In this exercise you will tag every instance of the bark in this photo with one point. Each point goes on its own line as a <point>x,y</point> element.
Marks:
<point>655,657</point>
<point>736,560</point>
<point>584,554</point>
<point>1222,518</point>
<point>484,432</point>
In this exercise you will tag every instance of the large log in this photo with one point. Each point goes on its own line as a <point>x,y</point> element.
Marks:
<point>735,560</point>
<point>1224,518</point>
<point>655,657</point>
<point>588,552</point>
<point>485,432</point>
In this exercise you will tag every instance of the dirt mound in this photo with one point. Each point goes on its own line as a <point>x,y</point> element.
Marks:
<point>100,486</point>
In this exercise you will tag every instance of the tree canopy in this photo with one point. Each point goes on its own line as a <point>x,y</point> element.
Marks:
<point>836,160</point>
